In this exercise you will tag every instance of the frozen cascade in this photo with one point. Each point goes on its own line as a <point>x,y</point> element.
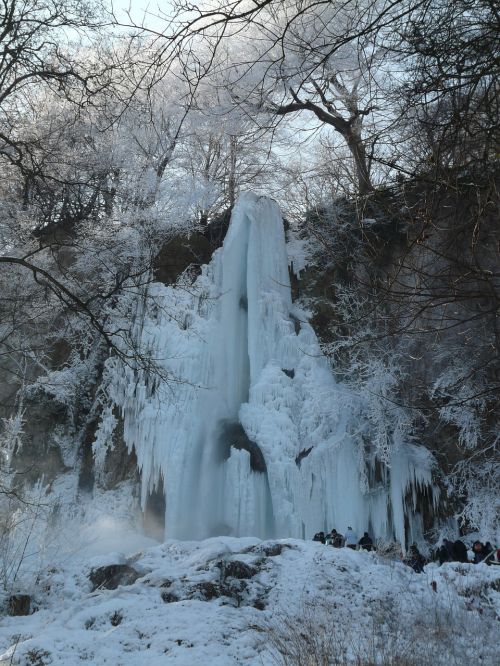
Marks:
<point>253,436</point>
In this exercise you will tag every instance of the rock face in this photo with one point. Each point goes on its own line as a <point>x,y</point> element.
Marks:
<point>399,232</point>
<point>182,252</point>
<point>233,436</point>
<point>112,576</point>
<point>236,569</point>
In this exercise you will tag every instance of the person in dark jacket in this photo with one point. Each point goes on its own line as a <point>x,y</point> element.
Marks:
<point>442,555</point>
<point>415,559</point>
<point>489,552</point>
<point>331,537</point>
<point>366,542</point>
<point>482,552</point>
<point>336,539</point>
<point>445,552</point>
<point>460,551</point>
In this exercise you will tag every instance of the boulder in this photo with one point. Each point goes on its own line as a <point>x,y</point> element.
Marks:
<point>112,576</point>
<point>19,604</point>
<point>209,590</point>
<point>236,569</point>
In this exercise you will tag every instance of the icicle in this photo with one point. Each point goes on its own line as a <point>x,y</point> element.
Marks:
<point>244,361</point>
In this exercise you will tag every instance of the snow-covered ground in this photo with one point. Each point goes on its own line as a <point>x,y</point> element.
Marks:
<point>226,601</point>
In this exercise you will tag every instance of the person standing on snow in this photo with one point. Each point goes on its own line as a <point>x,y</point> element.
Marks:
<point>351,538</point>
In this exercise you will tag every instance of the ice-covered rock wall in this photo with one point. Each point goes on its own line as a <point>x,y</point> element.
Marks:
<point>248,430</point>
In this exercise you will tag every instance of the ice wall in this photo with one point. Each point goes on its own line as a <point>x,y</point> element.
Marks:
<point>248,429</point>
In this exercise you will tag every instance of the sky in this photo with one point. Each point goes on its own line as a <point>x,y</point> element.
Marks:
<point>142,10</point>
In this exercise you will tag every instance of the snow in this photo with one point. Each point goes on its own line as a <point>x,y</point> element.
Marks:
<point>298,251</point>
<point>208,616</point>
<point>236,352</point>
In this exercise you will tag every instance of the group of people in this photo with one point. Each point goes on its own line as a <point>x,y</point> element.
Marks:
<point>456,551</point>
<point>350,539</point>
<point>449,551</point>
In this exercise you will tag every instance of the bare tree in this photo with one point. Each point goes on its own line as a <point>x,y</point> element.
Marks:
<point>452,92</point>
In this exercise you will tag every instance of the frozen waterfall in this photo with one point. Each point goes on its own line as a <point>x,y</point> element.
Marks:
<point>252,435</point>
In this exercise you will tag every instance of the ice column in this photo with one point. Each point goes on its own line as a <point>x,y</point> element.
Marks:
<point>254,436</point>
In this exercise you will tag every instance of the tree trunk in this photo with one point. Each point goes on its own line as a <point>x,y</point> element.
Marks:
<point>358,151</point>
<point>350,130</point>
<point>231,184</point>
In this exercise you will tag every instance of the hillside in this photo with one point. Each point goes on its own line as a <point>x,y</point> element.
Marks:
<point>229,601</point>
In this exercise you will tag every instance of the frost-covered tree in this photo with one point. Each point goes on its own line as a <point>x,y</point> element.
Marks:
<point>408,311</point>
<point>309,59</point>
<point>328,65</point>
<point>450,94</point>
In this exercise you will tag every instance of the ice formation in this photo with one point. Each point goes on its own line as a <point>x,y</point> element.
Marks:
<point>252,435</point>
